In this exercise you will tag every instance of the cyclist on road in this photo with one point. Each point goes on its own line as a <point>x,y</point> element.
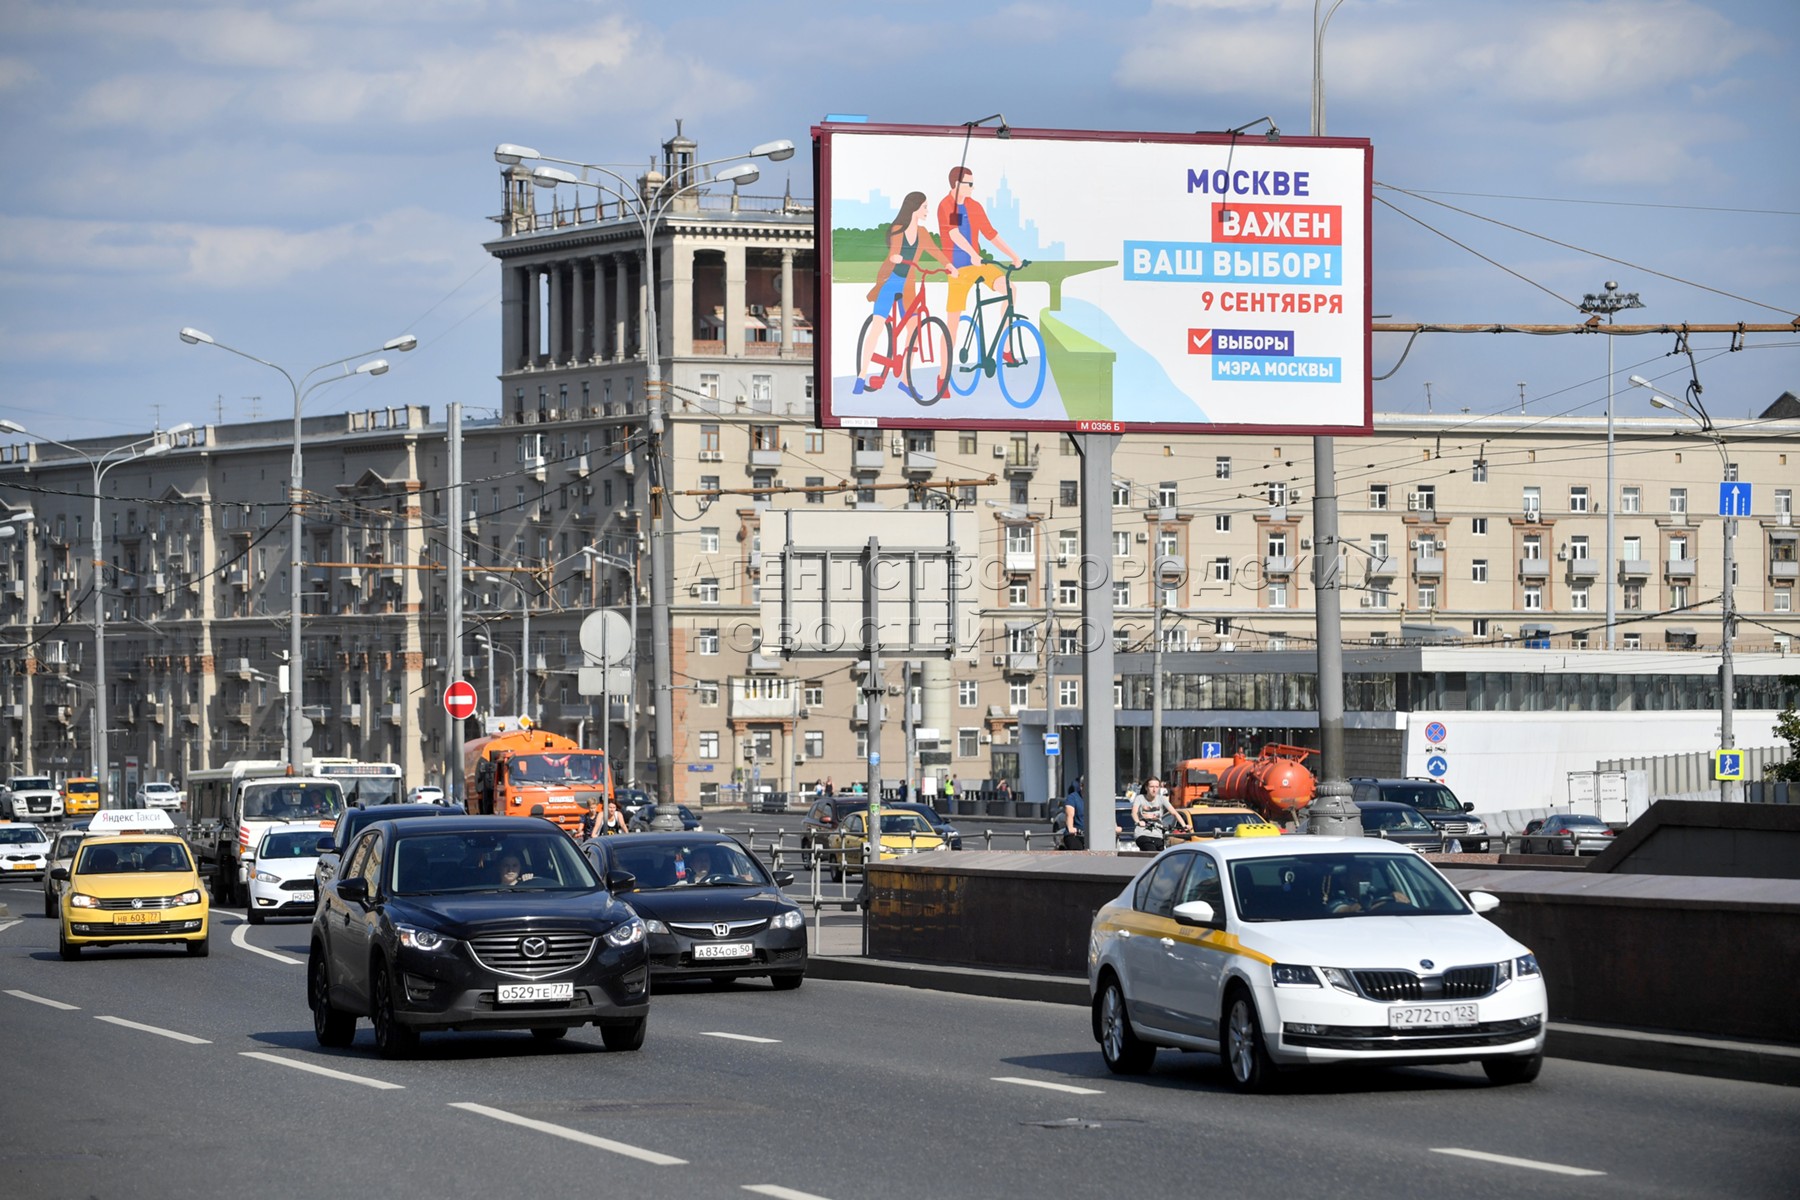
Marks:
<point>897,282</point>
<point>962,223</point>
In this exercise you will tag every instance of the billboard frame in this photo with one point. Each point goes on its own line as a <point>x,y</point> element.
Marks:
<point>825,315</point>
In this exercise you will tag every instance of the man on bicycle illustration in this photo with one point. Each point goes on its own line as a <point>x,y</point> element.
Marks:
<point>962,223</point>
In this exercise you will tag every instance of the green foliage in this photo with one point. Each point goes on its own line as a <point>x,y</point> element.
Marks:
<point>859,245</point>
<point>1787,728</point>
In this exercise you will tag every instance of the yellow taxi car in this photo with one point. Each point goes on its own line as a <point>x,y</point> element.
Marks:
<point>1228,821</point>
<point>123,889</point>
<point>81,798</point>
<point>902,832</point>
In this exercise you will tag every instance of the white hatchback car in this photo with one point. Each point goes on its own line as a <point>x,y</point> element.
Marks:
<point>425,793</point>
<point>281,883</point>
<point>159,794</point>
<point>1301,951</point>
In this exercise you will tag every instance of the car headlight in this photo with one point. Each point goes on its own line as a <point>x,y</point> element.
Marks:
<point>1477,826</point>
<point>192,897</point>
<point>1526,967</point>
<point>1339,978</point>
<point>81,900</point>
<point>787,919</point>
<point>414,938</point>
<point>1289,975</point>
<point>265,877</point>
<point>627,933</point>
<point>652,925</point>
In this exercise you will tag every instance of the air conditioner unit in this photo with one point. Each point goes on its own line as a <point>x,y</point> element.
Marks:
<point>1062,560</point>
<point>693,589</point>
<point>550,414</point>
<point>849,497</point>
<point>999,451</point>
<point>1306,543</point>
<point>1368,602</point>
<point>986,738</point>
<point>1417,502</point>
<point>1562,554</point>
<point>999,659</point>
<point>1142,538</point>
<point>711,456</point>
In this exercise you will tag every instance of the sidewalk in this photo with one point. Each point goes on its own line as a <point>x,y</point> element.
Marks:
<point>836,953</point>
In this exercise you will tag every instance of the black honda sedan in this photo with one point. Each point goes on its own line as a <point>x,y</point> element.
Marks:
<point>474,922</point>
<point>710,907</point>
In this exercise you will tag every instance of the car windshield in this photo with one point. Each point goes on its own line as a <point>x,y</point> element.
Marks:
<point>557,768</point>
<point>1426,797</point>
<point>22,835</point>
<point>1319,887</point>
<point>1393,818</point>
<point>488,861</point>
<point>662,865</point>
<point>83,787</point>
<point>292,801</point>
<point>128,858</point>
<point>1219,822</point>
<point>903,822</point>
<point>67,844</point>
<point>31,783</point>
<point>302,844</point>
<point>1581,821</point>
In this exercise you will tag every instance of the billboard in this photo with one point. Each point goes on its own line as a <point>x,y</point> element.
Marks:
<point>1092,282</point>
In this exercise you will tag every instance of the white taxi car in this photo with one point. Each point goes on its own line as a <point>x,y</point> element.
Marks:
<point>24,850</point>
<point>1302,951</point>
<point>281,881</point>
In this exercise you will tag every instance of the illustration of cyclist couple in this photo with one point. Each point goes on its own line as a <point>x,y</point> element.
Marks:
<point>902,338</point>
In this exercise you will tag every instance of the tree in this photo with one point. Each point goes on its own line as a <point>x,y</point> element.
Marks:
<point>1787,728</point>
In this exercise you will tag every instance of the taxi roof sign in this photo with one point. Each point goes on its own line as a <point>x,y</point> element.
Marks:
<point>131,820</point>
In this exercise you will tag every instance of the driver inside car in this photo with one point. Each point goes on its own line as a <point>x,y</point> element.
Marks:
<point>1360,888</point>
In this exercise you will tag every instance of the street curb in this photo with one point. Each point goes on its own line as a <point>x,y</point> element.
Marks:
<point>1644,1049</point>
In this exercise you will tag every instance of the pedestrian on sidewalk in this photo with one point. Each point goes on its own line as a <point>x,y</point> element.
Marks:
<point>1074,819</point>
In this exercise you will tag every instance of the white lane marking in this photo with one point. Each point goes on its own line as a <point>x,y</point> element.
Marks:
<point>189,1038</point>
<point>574,1135</point>
<point>744,1037</point>
<point>1048,1086</point>
<point>5,925</point>
<point>220,914</point>
<point>41,1000</point>
<point>1508,1161</point>
<point>346,1076</point>
<point>240,937</point>
<point>779,1192</point>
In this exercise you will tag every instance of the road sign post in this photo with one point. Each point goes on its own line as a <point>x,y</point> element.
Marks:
<point>1734,499</point>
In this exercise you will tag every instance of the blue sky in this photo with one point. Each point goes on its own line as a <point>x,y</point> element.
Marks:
<point>305,180</point>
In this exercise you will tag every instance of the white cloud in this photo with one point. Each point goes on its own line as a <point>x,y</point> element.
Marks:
<point>16,73</point>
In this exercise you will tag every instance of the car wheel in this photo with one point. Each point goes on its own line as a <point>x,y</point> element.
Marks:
<point>332,1027</point>
<point>49,905</point>
<point>1245,1053</point>
<point>1119,1045</point>
<point>787,983</point>
<point>625,1037</point>
<point>69,950</point>
<point>552,1034</point>
<point>392,1039</point>
<point>200,948</point>
<point>1504,1071</point>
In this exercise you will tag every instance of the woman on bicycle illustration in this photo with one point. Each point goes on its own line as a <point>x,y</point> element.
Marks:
<point>896,287</point>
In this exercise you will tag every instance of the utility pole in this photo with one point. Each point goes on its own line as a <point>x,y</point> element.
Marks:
<point>1610,302</point>
<point>453,550</point>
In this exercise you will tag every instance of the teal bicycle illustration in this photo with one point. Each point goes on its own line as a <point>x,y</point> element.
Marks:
<point>1015,353</point>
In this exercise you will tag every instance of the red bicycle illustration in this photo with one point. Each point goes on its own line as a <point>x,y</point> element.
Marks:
<point>908,343</point>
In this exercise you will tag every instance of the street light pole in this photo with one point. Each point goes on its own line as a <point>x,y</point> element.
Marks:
<point>296,490</point>
<point>1728,789</point>
<point>523,695</point>
<point>648,211</point>
<point>632,707</point>
<point>1610,302</point>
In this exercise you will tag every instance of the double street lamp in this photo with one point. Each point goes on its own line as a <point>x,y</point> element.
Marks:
<point>1693,411</point>
<point>160,442</point>
<point>523,695</point>
<point>302,387</point>
<point>648,208</point>
<point>1610,302</point>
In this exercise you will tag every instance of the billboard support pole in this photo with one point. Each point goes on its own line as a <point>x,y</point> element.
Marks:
<point>873,689</point>
<point>1099,749</point>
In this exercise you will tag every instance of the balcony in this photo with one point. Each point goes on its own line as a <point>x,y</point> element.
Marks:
<point>758,700</point>
<point>1278,564</point>
<point>1634,568</point>
<point>1784,569</point>
<point>1534,568</point>
<point>353,713</point>
<point>1681,568</point>
<point>1021,460</point>
<point>1427,564</point>
<point>920,462</point>
<point>393,714</point>
<point>867,460</point>
<point>761,662</point>
<point>1020,561</point>
<point>1584,568</point>
<point>765,458</point>
<point>1170,566</point>
<point>240,713</point>
<point>1382,567</point>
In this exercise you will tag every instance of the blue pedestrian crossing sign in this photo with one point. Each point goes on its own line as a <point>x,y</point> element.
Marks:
<point>1728,764</point>
<point>1734,499</point>
<point>1437,766</point>
<point>1212,749</point>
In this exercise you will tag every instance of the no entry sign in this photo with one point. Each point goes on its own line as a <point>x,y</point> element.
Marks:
<point>459,699</point>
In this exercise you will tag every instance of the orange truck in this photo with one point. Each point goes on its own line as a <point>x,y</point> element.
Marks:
<point>526,771</point>
<point>1275,783</point>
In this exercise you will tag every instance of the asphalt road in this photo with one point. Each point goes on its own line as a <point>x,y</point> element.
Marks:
<point>148,1074</point>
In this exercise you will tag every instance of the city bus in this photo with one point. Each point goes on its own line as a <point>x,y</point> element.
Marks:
<point>231,806</point>
<point>365,784</point>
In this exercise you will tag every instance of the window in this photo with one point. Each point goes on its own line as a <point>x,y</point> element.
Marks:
<point>765,437</point>
<point>706,641</point>
<point>1275,490</point>
<point>709,539</point>
<point>707,591</point>
<point>1018,695</point>
<point>968,743</point>
<point>1122,595</point>
<point>1378,545</point>
<point>1017,594</point>
<point>1784,502</point>
<point>1427,595</point>
<point>1020,539</point>
<point>968,693</point>
<point>1631,500</point>
<point>1068,542</point>
<point>1632,597</point>
<point>709,386</point>
<point>1578,548</point>
<point>706,691</point>
<point>1166,493</point>
<point>1378,497</point>
<point>815,441</point>
<point>709,743</point>
<point>1633,547</point>
<point>709,439</point>
<point>1534,598</point>
<point>1278,595</point>
<point>1478,473</point>
<point>1068,693</point>
<point>1678,502</point>
<point>1534,547</point>
<point>862,743</point>
<point>1121,543</point>
<point>1068,493</point>
<point>1222,626</point>
<point>1731,472</point>
<point>1478,570</point>
<point>1222,523</point>
<point>1578,499</point>
<point>1479,627</point>
<point>1168,543</point>
<point>1221,570</point>
<point>814,494</point>
<point>1121,493</point>
<point>1222,467</point>
<point>815,743</point>
<point>709,483</point>
<point>967,443</point>
<point>1783,600</point>
<point>762,387</point>
<point>1634,641</point>
<point>1678,547</point>
<point>1478,526</point>
<point>1068,592</point>
<point>1534,502</point>
<point>1678,595</point>
<point>1380,597</point>
<point>1578,599</point>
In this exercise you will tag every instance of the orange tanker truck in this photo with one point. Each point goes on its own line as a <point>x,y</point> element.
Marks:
<point>1275,783</point>
<point>525,771</point>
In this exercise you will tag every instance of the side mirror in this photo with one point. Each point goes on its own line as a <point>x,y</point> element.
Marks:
<point>621,881</point>
<point>1468,806</point>
<point>325,846</point>
<point>1483,901</point>
<point>784,879</point>
<point>1196,912</point>
<point>353,889</point>
<point>60,874</point>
